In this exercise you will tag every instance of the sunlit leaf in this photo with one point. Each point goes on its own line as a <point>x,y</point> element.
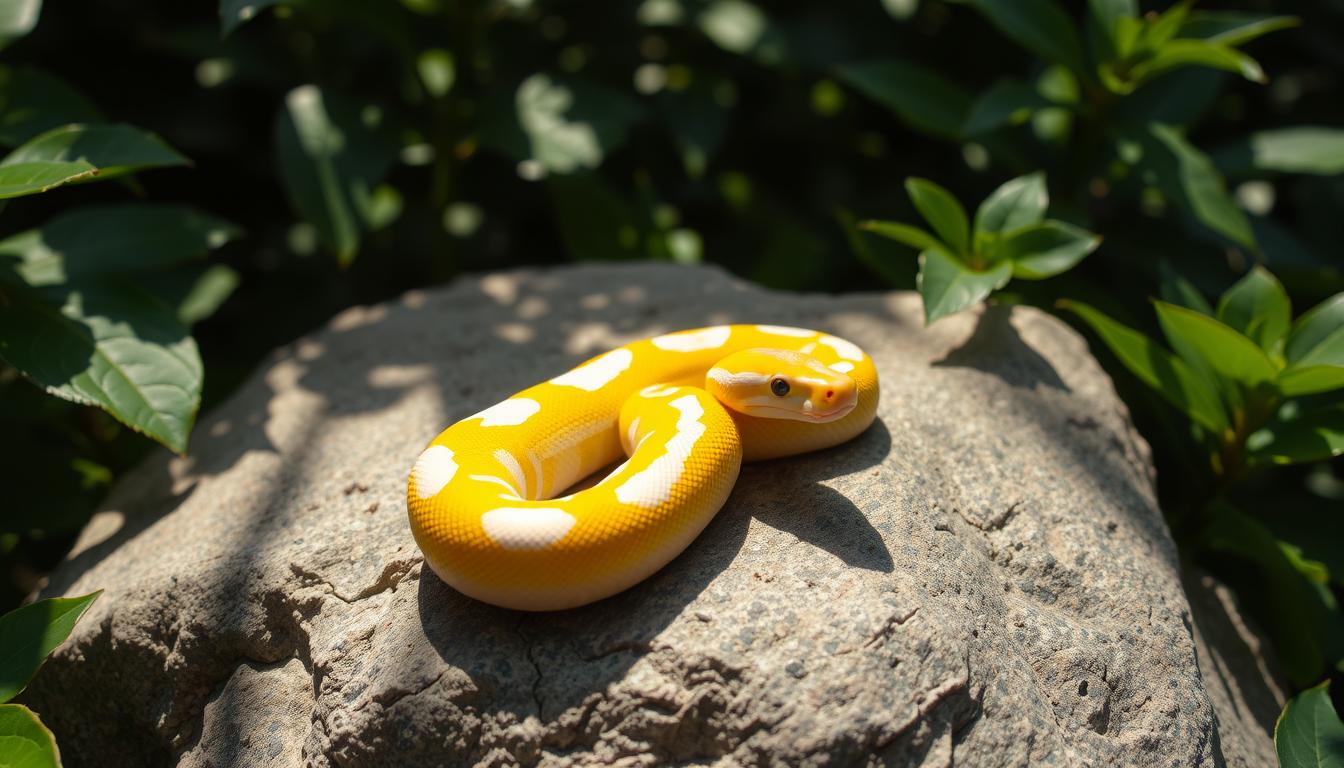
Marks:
<point>1309,733</point>
<point>1257,307</point>
<point>1310,379</point>
<point>902,233</point>
<point>942,211</point>
<point>1302,149</point>
<point>1046,249</point>
<point>33,101</point>
<point>919,95</point>
<point>112,149</point>
<point>571,124</point>
<point>1318,335</point>
<point>31,178</point>
<point>1219,347</point>
<point>1188,174</point>
<point>1164,372</point>
<point>1017,203</point>
<point>17,18</point>
<point>1160,29</point>
<point>437,71</point>
<point>1232,27</point>
<point>107,345</point>
<point>331,155</point>
<point>949,286</point>
<point>100,239</point>
<point>30,633</point>
<point>24,741</point>
<point>1315,435</point>
<point>1198,53</point>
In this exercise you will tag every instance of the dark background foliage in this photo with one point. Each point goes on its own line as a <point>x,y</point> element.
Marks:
<point>472,136</point>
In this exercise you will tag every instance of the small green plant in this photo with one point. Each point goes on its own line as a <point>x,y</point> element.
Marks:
<point>1260,389</point>
<point>27,636</point>
<point>962,264</point>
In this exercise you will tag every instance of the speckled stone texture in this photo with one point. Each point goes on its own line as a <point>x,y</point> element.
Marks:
<point>982,578</point>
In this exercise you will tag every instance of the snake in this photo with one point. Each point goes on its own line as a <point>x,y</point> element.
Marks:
<point>509,506</point>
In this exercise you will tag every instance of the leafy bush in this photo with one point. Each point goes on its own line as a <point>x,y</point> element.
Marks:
<point>367,147</point>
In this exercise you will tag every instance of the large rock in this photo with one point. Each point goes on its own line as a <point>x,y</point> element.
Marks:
<point>984,574</point>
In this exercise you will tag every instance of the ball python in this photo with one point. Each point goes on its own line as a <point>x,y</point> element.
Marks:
<point>683,410</point>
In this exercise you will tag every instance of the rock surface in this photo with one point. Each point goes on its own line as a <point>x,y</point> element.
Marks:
<point>984,575</point>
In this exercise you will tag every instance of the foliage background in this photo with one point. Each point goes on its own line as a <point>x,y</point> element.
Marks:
<point>365,147</point>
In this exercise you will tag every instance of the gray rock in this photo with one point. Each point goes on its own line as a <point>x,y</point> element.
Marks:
<point>983,576</point>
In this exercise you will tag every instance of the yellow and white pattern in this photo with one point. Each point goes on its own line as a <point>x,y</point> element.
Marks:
<point>684,408</point>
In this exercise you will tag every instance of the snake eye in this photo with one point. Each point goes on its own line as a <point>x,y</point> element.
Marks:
<point>780,387</point>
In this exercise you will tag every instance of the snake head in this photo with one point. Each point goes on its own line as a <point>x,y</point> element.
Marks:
<point>779,384</point>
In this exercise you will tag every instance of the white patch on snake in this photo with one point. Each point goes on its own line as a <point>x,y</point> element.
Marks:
<point>658,390</point>
<point>742,379</point>
<point>598,373</point>
<point>809,348</point>
<point>509,413</point>
<point>513,492</point>
<point>433,470</point>
<point>527,527</point>
<point>652,485</point>
<point>694,341</point>
<point>843,348</point>
<point>514,469</point>
<point>782,330</point>
<point>536,470</point>
<point>630,434</point>
<point>842,367</point>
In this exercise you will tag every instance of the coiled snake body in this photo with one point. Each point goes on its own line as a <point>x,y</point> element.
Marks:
<point>686,409</point>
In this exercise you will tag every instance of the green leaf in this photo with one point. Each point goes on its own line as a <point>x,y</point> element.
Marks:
<point>113,149</point>
<point>109,345</point>
<point>1017,203</point>
<point>1162,28</point>
<point>101,239</point>
<point>1175,289</point>
<point>881,256</point>
<point>902,233</point>
<point>33,101</point>
<point>1162,371</point>
<point>1197,53</point>
<point>210,288</point>
<point>1302,149</point>
<point>1006,102</point>
<point>1318,335</point>
<point>1258,308</point>
<point>1189,176</point>
<point>437,71</point>
<point>331,154</point>
<point>1040,26</point>
<point>24,741</point>
<point>571,124</point>
<point>1310,379</point>
<point>17,19</point>
<point>30,178</point>
<point>233,13</point>
<point>1046,249</point>
<point>942,211</point>
<point>1309,733</point>
<point>1312,436</point>
<point>1108,12</point>
<point>1220,348</point>
<point>1231,27</point>
<point>1179,98</point>
<point>1300,615</point>
<point>919,95</point>
<point>949,286</point>
<point>29,633</point>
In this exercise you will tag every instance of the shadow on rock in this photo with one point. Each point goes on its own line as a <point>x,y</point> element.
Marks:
<point>996,348</point>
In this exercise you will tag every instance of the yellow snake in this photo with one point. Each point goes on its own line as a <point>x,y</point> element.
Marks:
<point>686,409</point>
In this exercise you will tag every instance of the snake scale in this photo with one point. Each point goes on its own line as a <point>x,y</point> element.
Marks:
<point>683,410</point>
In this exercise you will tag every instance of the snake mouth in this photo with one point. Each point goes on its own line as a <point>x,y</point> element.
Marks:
<point>816,417</point>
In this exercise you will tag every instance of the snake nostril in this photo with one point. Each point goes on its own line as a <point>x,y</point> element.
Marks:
<point>830,393</point>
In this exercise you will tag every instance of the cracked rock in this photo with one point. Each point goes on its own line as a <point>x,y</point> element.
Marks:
<point>982,578</point>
